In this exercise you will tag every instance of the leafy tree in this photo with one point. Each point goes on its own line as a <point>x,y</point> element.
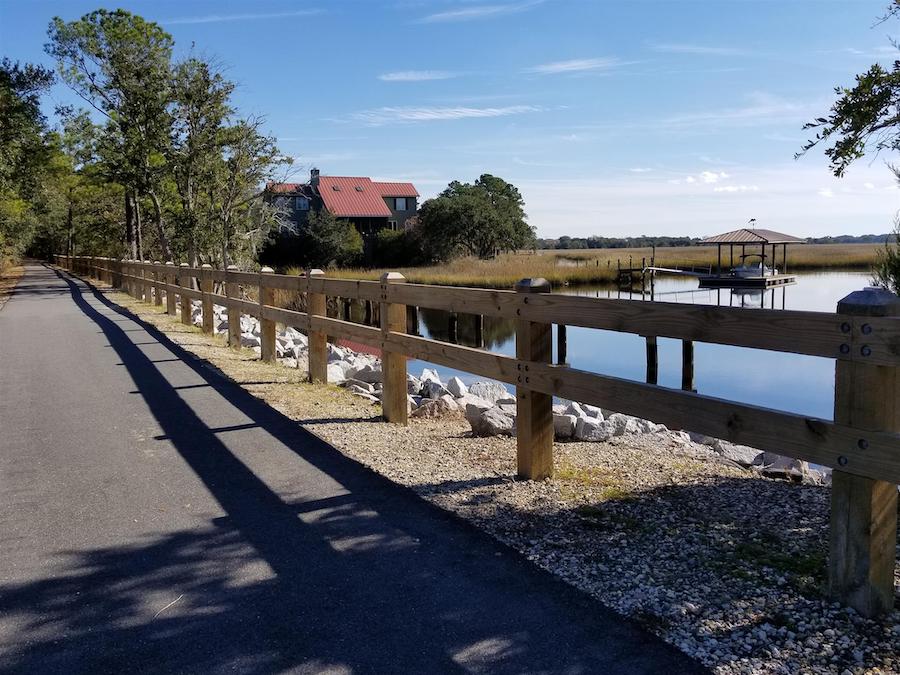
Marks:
<point>119,63</point>
<point>479,219</point>
<point>24,154</point>
<point>331,241</point>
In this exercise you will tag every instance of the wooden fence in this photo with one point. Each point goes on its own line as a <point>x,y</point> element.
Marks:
<point>862,444</point>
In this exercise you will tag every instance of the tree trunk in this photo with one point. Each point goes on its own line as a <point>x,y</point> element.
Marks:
<point>160,229</point>
<point>130,239</point>
<point>139,235</point>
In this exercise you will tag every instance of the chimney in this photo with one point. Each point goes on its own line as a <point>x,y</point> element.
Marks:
<point>314,177</point>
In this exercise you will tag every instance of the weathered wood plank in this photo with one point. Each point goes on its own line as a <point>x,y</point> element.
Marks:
<point>393,362</point>
<point>232,292</point>
<point>318,340</point>
<point>266,325</point>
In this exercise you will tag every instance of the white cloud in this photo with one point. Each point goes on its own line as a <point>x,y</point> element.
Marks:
<point>479,12</point>
<point>826,192</point>
<point>219,18</point>
<point>690,179</point>
<point>640,169</point>
<point>869,186</point>
<point>736,188</point>
<point>416,75</point>
<point>393,115</point>
<point>575,66</point>
<point>704,50</point>
<point>712,176</point>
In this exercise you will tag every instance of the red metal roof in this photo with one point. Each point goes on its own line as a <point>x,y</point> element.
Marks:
<point>285,187</point>
<point>396,189</point>
<point>349,197</point>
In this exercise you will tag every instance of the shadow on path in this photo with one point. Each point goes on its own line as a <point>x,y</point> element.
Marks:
<point>351,574</point>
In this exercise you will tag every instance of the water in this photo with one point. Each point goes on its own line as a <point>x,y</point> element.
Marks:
<point>789,382</point>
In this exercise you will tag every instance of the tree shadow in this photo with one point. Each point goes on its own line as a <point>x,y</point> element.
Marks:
<point>351,573</point>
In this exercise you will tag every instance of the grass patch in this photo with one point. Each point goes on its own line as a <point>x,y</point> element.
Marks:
<point>593,482</point>
<point>599,265</point>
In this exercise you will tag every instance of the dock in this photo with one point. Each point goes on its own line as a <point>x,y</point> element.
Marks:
<point>729,281</point>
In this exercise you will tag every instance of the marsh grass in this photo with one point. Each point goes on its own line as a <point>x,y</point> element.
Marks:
<point>599,265</point>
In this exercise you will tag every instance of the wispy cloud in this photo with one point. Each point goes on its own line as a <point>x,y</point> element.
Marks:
<point>476,12</point>
<point>761,108</point>
<point>702,50</point>
<point>575,66</point>
<point>394,115</point>
<point>828,193</point>
<point>882,52</point>
<point>220,18</point>
<point>640,169</point>
<point>736,188</point>
<point>416,75</point>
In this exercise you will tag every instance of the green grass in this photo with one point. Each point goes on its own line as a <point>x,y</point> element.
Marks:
<point>599,265</point>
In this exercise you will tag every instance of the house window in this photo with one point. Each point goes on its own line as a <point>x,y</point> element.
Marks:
<point>392,224</point>
<point>400,203</point>
<point>301,204</point>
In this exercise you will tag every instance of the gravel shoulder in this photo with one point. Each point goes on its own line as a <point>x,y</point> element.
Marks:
<point>723,563</point>
<point>8,280</point>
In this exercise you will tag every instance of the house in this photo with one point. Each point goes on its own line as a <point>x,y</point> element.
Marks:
<point>370,205</point>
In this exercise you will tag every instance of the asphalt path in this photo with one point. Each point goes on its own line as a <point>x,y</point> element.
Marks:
<point>155,517</point>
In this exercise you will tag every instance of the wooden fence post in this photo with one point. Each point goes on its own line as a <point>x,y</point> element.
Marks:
<point>157,289</point>
<point>206,287</point>
<point>171,278</point>
<point>233,290</point>
<point>184,280</point>
<point>266,326</point>
<point>534,419</point>
<point>318,341</point>
<point>864,510</point>
<point>394,405</point>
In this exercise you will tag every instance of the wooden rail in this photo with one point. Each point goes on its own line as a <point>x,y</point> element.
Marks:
<point>862,444</point>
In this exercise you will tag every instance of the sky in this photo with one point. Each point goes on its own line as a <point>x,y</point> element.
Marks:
<point>613,118</point>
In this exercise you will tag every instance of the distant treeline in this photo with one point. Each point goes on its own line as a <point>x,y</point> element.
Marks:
<point>568,243</point>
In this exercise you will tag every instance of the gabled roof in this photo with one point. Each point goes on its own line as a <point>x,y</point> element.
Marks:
<point>290,189</point>
<point>396,189</point>
<point>352,197</point>
<point>755,236</point>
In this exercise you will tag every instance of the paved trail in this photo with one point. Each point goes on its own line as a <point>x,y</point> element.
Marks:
<point>156,518</point>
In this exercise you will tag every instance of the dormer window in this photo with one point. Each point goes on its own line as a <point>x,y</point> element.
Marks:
<point>400,203</point>
<point>359,188</point>
<point>336,188</point>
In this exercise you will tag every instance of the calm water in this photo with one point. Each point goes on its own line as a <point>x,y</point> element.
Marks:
<point>801,384</point>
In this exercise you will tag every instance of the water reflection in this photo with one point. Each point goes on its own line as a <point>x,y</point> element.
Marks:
<point>801,384</point>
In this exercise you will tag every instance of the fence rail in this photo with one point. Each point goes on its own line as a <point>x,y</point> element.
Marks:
<point>862,444</point>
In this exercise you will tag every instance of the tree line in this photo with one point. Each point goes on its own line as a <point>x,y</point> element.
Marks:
<point>158,165</point>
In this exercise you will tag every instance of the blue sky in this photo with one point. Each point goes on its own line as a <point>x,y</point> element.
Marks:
<point>613,118</point>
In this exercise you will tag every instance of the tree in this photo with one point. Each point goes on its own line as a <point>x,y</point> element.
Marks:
<point>119,64</point>
<point>865,118</point>
<point>331,241</point>
<point>24,154</point>
<point>479,219</point>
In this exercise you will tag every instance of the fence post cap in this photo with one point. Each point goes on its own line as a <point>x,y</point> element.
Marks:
<point>536,285</point>
<point>156,262</point>
<point>232,268</point>
<point>267,270</point>
<point>392,278</point>
<point>870,301</point>
<point>206,266</point>
<point>315,272</point>
<point>184,265</point>
<point>169,262</point>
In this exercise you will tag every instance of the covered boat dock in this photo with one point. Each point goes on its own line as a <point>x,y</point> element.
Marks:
<point>763,274</point>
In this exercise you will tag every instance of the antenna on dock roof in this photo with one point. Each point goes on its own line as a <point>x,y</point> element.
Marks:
<point>752,223</point>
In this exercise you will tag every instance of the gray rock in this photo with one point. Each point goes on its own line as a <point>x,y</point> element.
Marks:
<point>592,411</point>
<point>413,385</point>
<point>624,424</point>
<point>336,372</point>
<point>594,430</point>
<point>353,382</point>
<point>508,408</point>
<point>493,422</point>
<point>429,374</point>
<point>432,389</point>
<point>474,407</point>
<point>249,340</point>
<point>369,374</point>
<point>564,426</point>
<point>779,466</point>
<point>739,454</point>
<point>440,407</point>
<point>457,387</point>
<point>356,389</point>
<point>559,408</point>
<point>575,408</point>
<point>489,391</point>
